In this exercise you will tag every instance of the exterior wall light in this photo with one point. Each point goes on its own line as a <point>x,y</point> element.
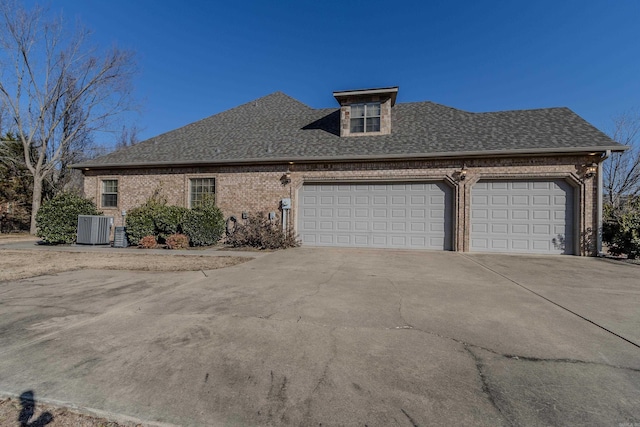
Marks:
<point>286,178</point>
<point>590,170</point>
<point>462,175</point>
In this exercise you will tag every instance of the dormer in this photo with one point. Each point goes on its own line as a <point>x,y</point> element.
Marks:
<point>366,112</point>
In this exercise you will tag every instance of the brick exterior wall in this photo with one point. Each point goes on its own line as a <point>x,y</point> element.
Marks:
<point>260,188</point>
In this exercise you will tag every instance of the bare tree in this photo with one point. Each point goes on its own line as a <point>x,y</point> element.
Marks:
<point>128,137</point>
<point>622,170</point>
<point>58,90</point>
<point>3,120</point>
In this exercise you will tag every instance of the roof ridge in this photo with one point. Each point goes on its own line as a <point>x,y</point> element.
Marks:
<point>255,102</point>
<point>436,104</point>
<point>519,110</point>
<point>230,110</point>
<point>524,110</point>
<point>279,92</point>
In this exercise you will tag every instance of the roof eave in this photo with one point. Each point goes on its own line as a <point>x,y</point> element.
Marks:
<point>391,92</point>
<point>382,157</point>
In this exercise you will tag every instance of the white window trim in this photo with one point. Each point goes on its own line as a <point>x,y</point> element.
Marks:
<point>189,182</point>
<point>103,193</point>
<point>366,117</point>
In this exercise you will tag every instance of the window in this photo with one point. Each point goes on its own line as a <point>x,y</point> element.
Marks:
<point>365,117</point>
<point>201,188</point>
<point>110,193</point>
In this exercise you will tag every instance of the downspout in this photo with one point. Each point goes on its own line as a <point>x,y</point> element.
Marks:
<point>600,196</point>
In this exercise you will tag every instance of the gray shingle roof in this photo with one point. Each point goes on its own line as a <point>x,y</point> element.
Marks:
<point>280,128</point>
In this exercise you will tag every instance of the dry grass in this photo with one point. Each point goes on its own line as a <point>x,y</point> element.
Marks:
<point>20,264</point>
<point>16,237</point>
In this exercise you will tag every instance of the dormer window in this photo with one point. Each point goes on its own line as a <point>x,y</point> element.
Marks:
<point>365,117</point>
<point>366,112</point>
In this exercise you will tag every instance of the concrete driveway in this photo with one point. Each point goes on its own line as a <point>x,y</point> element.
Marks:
<point>332,337</point>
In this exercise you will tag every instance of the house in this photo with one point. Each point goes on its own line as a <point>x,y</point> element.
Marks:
<point>373,173</point>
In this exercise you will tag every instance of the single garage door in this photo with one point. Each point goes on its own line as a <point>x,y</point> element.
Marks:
<point>384,215</point>
<point>522,216</point>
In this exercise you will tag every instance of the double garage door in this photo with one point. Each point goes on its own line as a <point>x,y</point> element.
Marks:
<point>534,216</point>
<point>385,215</point>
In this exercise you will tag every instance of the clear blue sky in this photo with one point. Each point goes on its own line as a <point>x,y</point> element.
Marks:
<point>198,58</point>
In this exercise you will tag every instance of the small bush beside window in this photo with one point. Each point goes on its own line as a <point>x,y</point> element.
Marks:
<point>168,220</point>
<point>204,224</point>
<point>140,223</point>
<point>57,219</point>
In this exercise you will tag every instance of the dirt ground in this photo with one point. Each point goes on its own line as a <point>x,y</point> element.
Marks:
<point>14,265</point>
<point>13,412</point>
<point>20,264</point>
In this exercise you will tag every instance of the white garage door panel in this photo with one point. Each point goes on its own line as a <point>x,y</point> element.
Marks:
<point>398,215</point>
<point>522,216</point>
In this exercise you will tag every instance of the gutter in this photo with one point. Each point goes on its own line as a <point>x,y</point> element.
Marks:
<point>605,156</point>
<point>352,158</point>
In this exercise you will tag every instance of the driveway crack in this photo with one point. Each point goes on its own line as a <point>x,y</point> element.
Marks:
<point>325,371</point>
<point>486,388</point>
<point>517,356</point>
<point>323,377</point>
<point>411,420</point>
<point>405,324</point>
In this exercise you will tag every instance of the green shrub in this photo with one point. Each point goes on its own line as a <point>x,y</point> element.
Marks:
<point>168,220</point>
<point>259,232</point>
<point>621,228</point>
<point>57,219</point>
<point>139,224</point>
<point>204,224</point>
<point>177,241</point>
<point>154,218</point>
<point>148,242</point>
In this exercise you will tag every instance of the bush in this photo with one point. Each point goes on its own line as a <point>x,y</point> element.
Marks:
<point>139,224</point>
<point>621,228</point>
<point>177,241</point>
<point>259,232</point>
<point>13,223</point>
<point>57,219</point>
<point>168,220</point>
<point>204,224</point>
<point>148,242</point>
<point>154,218</point>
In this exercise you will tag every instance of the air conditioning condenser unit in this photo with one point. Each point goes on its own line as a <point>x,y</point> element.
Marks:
<point>94,229</point>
